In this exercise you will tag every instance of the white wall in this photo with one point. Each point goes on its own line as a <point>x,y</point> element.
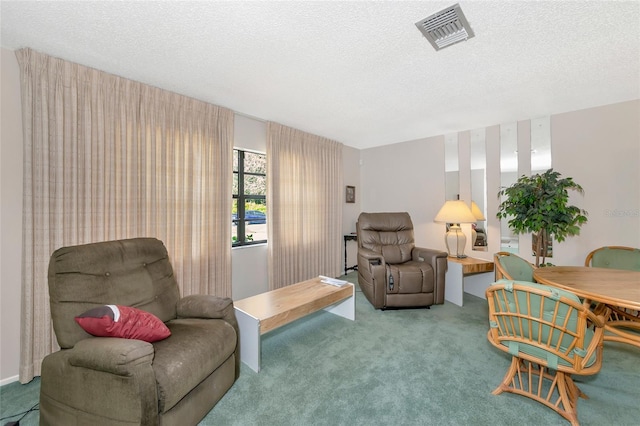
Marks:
<point>350,211</point>
<point>249,271</point>
<point>492,140</point>
<point>249,264</point>
<point>407,176</point>
<point>600,149</point>
<point>10,216</point>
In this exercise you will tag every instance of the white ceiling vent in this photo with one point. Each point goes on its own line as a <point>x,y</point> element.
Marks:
<point>447,27</point>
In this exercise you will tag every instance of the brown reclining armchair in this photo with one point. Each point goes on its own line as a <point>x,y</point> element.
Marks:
<point>392,271</point>
<point>126,381</point>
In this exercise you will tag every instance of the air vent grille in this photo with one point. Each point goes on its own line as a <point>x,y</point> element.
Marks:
<point>447,27</point>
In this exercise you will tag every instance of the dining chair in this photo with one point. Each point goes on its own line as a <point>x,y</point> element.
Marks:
<point>545,331</point>
<point>616,257</point>
<point>512,267</point>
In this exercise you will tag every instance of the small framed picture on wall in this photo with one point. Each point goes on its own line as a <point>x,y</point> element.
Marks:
<point>351,194</point>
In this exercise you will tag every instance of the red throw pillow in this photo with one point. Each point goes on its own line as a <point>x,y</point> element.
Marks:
<point>123,321</point>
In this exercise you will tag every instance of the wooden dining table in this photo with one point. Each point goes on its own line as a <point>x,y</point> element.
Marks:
<point>613,287</point>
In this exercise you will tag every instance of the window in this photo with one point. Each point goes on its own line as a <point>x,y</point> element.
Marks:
<point>249,208</point>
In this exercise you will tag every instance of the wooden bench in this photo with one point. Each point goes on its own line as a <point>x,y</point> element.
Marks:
<point>265,312</point>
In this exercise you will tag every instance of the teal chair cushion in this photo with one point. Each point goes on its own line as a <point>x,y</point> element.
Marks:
<point>517,268</point>
<point>617,259</point>
<point>531,329</point>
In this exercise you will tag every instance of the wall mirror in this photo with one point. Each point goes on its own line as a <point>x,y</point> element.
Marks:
<point>541,159</point>
<point>509,241</point>
<point>451,167</point>
<point>478,164</point>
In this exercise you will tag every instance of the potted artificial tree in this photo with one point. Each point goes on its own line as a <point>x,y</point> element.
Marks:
<point>539,204</point>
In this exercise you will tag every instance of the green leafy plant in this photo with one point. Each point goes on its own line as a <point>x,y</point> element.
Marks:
<point>539,204</point>
<point>248,237</point>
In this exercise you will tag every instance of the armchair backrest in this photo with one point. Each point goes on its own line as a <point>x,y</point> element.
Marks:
<point>546,324</point>
<point>512,267</point>
<point>616,257</point>
<point>390,234</point>
<point>134,272</point>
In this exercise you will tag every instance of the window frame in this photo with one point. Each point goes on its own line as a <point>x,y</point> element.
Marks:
<point>241,198</point>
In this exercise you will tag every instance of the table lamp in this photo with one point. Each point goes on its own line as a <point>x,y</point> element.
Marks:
<point>479,217</point>
<point>455,212</point>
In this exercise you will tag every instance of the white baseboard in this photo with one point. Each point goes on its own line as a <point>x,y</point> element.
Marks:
<point>8,380</point>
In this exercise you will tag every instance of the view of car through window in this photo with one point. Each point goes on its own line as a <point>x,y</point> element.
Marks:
<point>251,217</point>
<point>255,225</point>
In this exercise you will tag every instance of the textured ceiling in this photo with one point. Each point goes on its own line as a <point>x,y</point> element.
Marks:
<point>358,72</point>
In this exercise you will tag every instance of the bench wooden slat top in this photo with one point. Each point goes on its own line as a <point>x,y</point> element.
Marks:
<point>281,306</point>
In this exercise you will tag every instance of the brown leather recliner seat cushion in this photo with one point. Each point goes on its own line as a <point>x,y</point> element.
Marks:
<point>412,277</point>
<point>195,349</point>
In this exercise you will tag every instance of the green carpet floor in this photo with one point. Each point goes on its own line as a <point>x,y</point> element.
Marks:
<point>401,367</point>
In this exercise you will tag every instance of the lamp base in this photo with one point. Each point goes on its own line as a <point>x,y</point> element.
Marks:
<point>455,241</point>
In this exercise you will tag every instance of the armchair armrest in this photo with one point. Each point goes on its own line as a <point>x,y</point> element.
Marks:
<point>128,358</point>
<point>597,323</point>
<point>371,265</point>
<point>438,261</point>
<point>430,256</point>
<point>370,257</point>
<point>111,354</point>
<point>211,307</point>
<point>372,269</point>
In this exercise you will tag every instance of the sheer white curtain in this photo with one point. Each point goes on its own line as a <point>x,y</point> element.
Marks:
<point>304,201</point>
<point>109,158</point>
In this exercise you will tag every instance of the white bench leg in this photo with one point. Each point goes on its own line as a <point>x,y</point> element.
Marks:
<point>345,308</point>
<point>249,339</point>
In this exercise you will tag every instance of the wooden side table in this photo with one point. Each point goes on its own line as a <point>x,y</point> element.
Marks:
<point>469,275</point>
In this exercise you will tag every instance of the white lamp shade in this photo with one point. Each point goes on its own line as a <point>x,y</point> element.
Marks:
<point>455,211</point>
<point>476,211</point>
